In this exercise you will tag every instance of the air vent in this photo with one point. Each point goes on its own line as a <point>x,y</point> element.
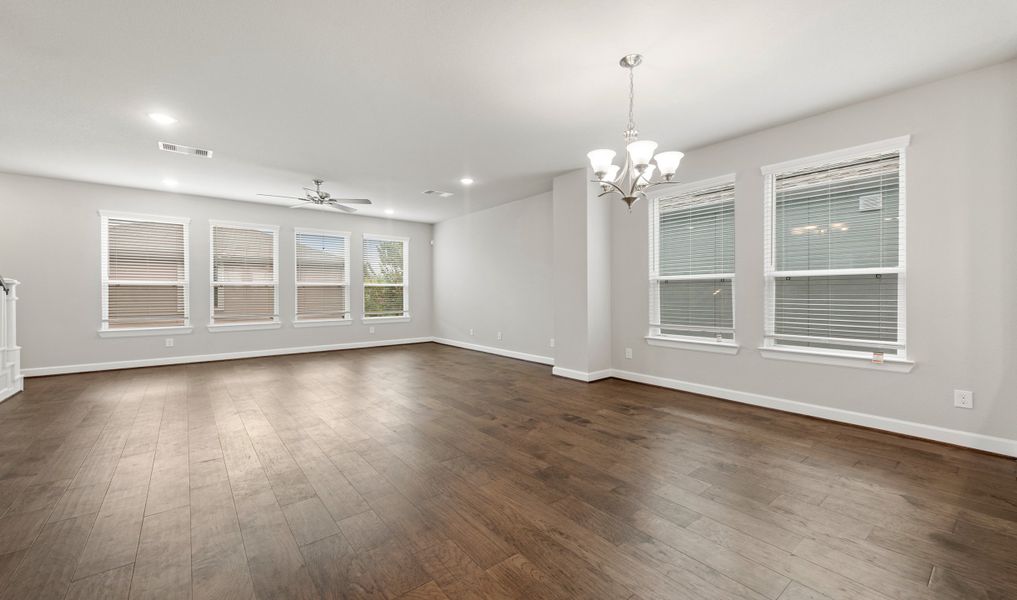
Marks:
<point>178,149</point>
<point>438,193</point>
<point>870,202</point>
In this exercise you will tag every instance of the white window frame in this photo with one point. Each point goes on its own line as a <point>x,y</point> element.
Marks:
<point>405,285</point>
<point>276,322</point>
<point>104,329</point>
<point>654,337</point>
<point>296,282</point>
<point>899,362</point>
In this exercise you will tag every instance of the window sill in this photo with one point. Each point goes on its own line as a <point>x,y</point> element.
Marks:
<point>405,319</point>
<point>890,364</point>
<point>322,322</point>
<point>688,344</point>
<point>222,327</point>
<point>146,331</point>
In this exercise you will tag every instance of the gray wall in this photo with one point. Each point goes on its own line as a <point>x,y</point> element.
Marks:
<point>50,243</point>
<point>961,245</point>
<point>492,272</point>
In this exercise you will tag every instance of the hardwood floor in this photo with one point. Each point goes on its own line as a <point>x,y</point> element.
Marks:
<point>430,472</point>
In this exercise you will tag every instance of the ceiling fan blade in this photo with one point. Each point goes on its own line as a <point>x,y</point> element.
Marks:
<point>304,204</point>
<point>352,200</point>
<point>278,196</point>
<point>342,208</point>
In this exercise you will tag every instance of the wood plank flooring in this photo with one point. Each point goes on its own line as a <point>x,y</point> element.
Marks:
<point>429,472</point>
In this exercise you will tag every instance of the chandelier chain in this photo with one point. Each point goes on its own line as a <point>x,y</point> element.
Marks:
<point>632,99</point>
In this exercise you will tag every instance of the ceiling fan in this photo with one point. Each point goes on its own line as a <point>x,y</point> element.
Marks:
<point>320,198</point>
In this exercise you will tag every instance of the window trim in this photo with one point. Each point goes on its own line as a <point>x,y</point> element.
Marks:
<point>405,317</point>
<point>104,329</point>
<point>770,349</point>
<point>690,343</point>
<point>276,322</point>
<point>297,322</point>
<point>684,342</point>
<point>841,358</point>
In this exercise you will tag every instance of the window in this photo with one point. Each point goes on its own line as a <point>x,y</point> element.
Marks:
<point>245,275</point>
<point>692,263</point>
<point>144,272</point>
<point>385,276</point>
<point>835,253</point>
<point>322,275</point>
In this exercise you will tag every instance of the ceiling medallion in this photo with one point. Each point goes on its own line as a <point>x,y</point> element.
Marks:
<point>642,169</point>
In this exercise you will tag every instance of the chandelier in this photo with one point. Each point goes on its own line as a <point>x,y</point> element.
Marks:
<point>639,173</point>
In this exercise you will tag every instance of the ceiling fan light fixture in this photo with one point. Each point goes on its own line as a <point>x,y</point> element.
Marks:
<point>317,197</point>
<point>466,181</point>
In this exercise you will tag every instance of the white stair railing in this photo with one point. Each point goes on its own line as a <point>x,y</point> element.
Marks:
<point>11,381</point>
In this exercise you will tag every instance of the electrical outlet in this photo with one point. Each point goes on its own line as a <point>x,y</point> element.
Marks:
<point>628,353</point>
<point>499,336</point>
<point>169,342</point>
<point>551,344</point>
<point>963,399</point>
<point>370,329</point>
<point>471,331</point>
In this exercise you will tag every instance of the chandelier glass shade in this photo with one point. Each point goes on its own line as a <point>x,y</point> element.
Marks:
<point>631,180</point>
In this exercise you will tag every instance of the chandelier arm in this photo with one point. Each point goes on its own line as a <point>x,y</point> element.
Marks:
<point>616,188</point>
<point>656,183</point>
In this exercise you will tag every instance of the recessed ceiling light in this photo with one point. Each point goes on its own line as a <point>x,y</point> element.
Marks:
<point>169,182</point>
<point>466,181</point>
<point>389,211</point>
<point>162,118</point>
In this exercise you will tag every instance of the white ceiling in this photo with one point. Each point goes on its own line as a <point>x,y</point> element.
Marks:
<point>388,98</point>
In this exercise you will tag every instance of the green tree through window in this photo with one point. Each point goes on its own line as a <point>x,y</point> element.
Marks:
<point>384,277</point>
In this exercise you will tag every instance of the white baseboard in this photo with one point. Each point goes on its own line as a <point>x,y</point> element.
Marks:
<point>956,437</point>
<point>544,360</point>
<point>581,375</point>
<point>198,358</point>
<point>10,391</point>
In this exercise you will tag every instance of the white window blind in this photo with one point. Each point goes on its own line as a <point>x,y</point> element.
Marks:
<point>692,263</point>
<point>322,275</point>
<point>385,276</point>
<point>835,256</point>
<point>144,272</point>
<point>245,274</point>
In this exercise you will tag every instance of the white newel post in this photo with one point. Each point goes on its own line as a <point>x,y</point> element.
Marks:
<point>11,381</point>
